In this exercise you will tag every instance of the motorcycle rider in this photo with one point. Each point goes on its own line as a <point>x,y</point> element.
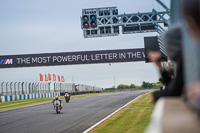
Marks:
<point>67,94</point>
<point>57,98</point>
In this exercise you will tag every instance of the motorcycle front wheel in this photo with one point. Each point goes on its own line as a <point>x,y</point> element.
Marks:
<point>57,110</point>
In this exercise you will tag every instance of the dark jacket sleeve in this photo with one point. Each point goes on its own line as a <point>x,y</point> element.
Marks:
<point>175,87</point>
<point>166,77</point>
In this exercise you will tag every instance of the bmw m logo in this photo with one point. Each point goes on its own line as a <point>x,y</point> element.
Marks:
<point>6,61</point>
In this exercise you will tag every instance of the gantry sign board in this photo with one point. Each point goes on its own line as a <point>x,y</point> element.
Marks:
<point>101,22</point>
<point>91,25</point>
<point>71,58</point>
<point>151,44</point>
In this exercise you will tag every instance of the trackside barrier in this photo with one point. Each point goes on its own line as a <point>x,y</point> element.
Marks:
<point>17,88</point>
<point>28,96</point>
<point>173,115</point>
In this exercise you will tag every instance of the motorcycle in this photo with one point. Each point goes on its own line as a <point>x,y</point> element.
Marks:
<point>67,97</point>
<point>57,106</point>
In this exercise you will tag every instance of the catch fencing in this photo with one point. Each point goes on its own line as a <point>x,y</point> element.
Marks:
<point>11,91</point>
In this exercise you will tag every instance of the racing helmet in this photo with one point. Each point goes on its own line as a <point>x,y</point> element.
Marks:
<point>56,98</point>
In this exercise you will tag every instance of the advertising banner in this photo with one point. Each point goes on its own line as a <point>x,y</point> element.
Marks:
<point>72,58</point>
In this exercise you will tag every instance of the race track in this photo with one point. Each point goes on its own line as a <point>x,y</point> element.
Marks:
<point>75,117</point>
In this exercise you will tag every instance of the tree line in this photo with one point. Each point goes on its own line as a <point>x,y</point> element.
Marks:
<point>145,85</point>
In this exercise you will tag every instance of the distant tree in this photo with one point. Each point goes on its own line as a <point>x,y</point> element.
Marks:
<point>132,86</point>
<point>122,86</point>
<point>126,86</point>
<point>144,84</point>
<point>137,86</point>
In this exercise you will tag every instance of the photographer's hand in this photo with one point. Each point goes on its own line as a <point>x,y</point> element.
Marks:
<point>156,58</point>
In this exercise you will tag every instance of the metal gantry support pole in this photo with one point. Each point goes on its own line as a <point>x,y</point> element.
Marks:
<point>163,5</point>
<point>175,10</point>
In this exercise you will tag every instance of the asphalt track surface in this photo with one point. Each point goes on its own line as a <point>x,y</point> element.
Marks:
<point>75,117</point>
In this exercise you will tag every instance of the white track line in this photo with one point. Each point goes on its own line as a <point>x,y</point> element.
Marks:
<point>86,131</point>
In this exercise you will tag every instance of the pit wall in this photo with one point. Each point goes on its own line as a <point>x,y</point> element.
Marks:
<point>28,96</point>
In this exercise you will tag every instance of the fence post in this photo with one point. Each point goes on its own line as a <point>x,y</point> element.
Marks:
<point>26,87</point>
<point>11,88</point>
<point>22,88</point>
<point>49,85</point>
<point>54,87</point>
<point>2,88</point>
<point>15,88</point>
<point>7,88</point>
<point>18,88</point>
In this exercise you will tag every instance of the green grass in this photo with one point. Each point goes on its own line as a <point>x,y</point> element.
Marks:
<point>134,118</point>
<point>25,103</point>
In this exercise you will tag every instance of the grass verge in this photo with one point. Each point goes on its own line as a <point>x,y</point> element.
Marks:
<point>25,103</point>
<point>134,118</point>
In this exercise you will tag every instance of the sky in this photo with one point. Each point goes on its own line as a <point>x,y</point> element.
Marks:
<point>53,26</point>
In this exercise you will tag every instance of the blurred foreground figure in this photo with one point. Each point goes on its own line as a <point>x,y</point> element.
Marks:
<point>191,13</point>
<point>166,74</point>
<point>173,46</point>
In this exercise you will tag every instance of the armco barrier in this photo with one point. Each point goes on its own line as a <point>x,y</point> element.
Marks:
<point>28,96</point>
